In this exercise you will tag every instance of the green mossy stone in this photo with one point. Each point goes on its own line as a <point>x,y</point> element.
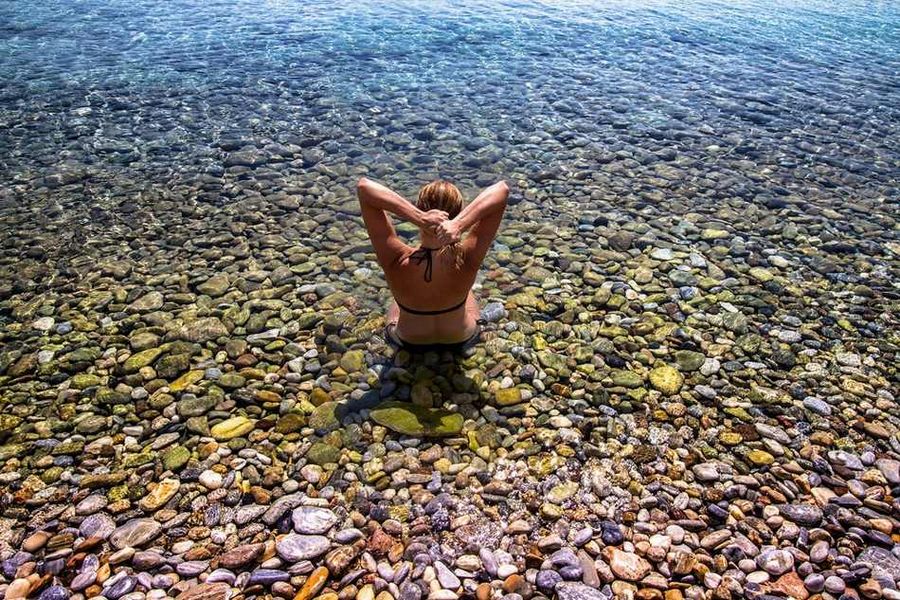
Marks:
<point>760,458</point>
<point>760,274</point>
<point>144,340</point>
<point>319,397</point>
<point>410,419</point>
<point>730,438</point>
<point>290,423</point>
<point>551,360</point>
<point>321,454</point>
<point>688,360</point>
<point>232,428</point>
<point>82,381</point>
<point>636,395</point>
<point>627,379</point>
<point>105,395</point>
<point>508,396</point>
<point>117,493</point>
<point>325,416</point>
<point>12,451</point>
<point>176,457</point>
<point>170,366</point>
<point>738,413</point>
<point>51,475</point>
<point>91,424</point>
<point>562,492</point>
<point>714,234</point>
<point>185,381</point>
<point>8,423</point>
<point>81,355</point>
<point>68,448</point>
<point>215,286</point>
<point>195,406</point>
<point>198,425</point>
<point>735,322</point>
<point>142,359</point>
<point>666,379</point>
<point>231,381</point>
<point>353,361</point>
<point>136,460</point>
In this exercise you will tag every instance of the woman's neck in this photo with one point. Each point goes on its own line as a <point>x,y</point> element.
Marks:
<point>427,240</point>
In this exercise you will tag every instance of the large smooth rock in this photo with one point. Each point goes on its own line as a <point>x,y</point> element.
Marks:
<point>883,563</point>
<point>573,590</point>
<point>666,379</point>
<point>241,556</point>
<point>410,419</point>
<point>803,514</point>
<point>205,591</point>
<point>161,494</point>
<point>203,330</point>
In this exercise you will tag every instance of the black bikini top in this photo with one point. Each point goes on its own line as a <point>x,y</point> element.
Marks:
<point>423,254</point>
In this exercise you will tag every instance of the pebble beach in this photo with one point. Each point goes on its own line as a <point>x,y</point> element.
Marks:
<point>687,384</point>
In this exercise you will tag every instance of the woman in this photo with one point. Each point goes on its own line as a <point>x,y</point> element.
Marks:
<point>432,284</point>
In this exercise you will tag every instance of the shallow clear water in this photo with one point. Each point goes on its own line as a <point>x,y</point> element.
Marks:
<point>699,264</point>
<point>507,88</point>
<point>588,104</point>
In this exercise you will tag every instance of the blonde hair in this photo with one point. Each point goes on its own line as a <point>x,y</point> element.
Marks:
<point>443,195</point>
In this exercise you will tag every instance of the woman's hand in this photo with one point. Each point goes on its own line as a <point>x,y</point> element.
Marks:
<point>432,219</point>
<point>449,232</point>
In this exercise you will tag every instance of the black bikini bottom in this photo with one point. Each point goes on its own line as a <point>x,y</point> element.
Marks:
<point>390,334</point>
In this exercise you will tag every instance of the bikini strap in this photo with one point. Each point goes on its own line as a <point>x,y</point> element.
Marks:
<point>423,254</point>
<point>432,312</point>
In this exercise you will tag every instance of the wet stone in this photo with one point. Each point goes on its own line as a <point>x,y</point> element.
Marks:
<point>97,525</point>
<point>241,556</point>
<point>802,514</point>
<point>313,520</point>
<point>570,590</point>
<point>685,382</point>
<point>135,533</point>
<point>410,419</point>
<point>295,547</point>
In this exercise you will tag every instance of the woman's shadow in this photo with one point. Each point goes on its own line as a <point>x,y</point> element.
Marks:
<point>434,380</point>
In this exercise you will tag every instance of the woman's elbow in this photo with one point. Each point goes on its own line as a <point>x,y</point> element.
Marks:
<point>504,191</point>
<point>363,189</point>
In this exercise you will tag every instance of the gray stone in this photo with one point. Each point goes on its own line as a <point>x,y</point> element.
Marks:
<point>312,519</point>
<point>135,533</point>
<point>881,560</point>
<point>97,525</point>
<point>295,547</point>
<point>804,514</point>
<point>573,590</point>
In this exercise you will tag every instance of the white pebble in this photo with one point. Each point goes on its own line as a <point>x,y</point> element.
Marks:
<point>210,480</point>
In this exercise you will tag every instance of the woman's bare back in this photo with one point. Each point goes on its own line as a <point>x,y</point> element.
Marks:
<point>434,302</point>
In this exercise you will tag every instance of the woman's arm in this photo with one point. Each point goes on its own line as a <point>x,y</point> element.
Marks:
<point>372,193</point>
<point>489,202</point>
<point>481,218</point>
<point>375,202</point>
